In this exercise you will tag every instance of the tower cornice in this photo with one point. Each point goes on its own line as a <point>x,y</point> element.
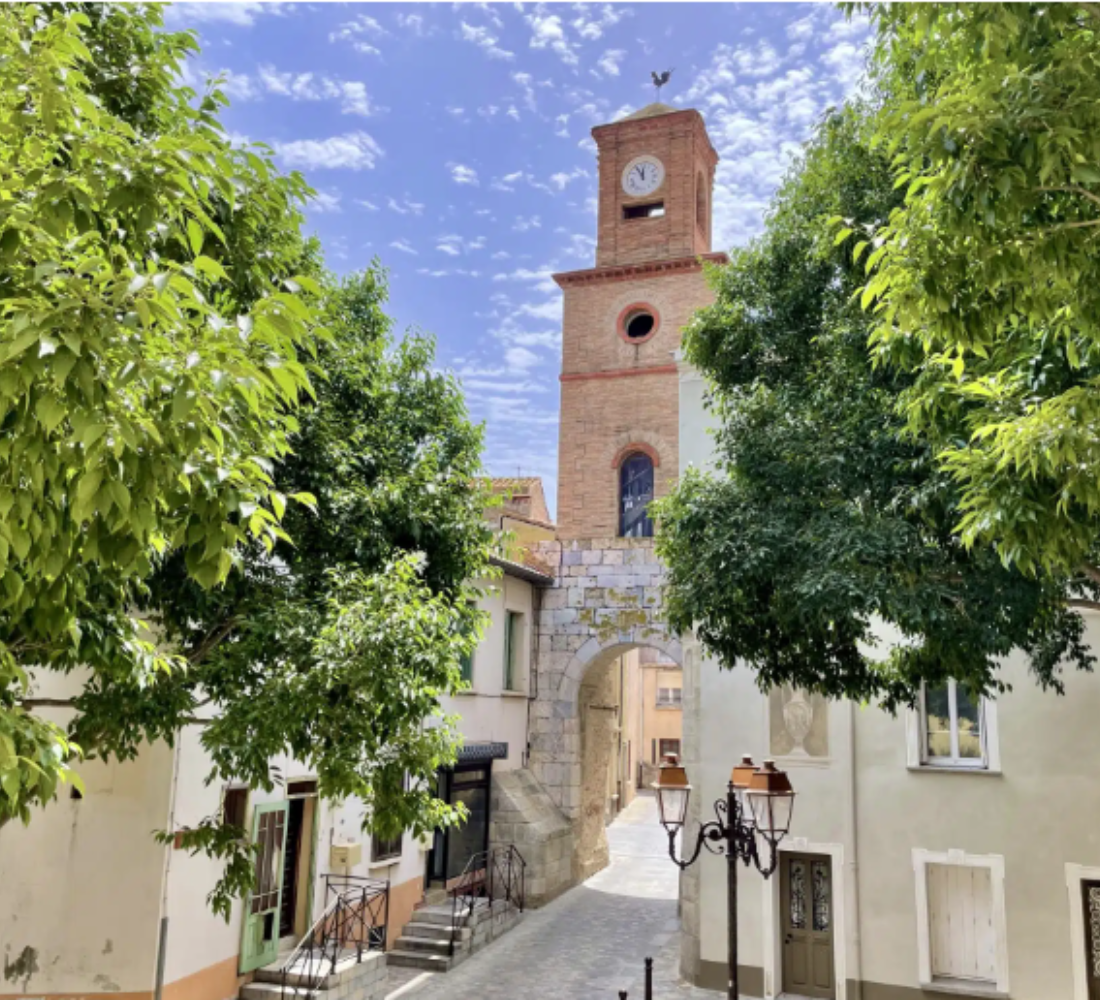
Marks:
<point>629,272</point>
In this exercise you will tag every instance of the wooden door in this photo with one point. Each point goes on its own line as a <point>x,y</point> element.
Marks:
<point>260,934</point>
<point>1091,900</point>
<point>292,856</point>
<point>806,906</point>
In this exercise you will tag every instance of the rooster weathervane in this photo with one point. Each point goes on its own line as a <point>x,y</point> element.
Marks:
<point>660,79</point>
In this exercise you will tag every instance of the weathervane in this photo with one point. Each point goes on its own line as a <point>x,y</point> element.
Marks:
<point>660,79</point>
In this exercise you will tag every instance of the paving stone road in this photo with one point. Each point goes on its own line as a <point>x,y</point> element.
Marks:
<point>591,942</point>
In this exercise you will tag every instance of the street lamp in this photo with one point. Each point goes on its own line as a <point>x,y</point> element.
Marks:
<point>758,804</point>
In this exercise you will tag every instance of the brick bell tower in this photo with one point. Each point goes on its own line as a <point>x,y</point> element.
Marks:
<point>618,438</point>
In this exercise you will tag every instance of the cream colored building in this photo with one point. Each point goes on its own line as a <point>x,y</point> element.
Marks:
<point>90,903</point>
<point>955,850</point>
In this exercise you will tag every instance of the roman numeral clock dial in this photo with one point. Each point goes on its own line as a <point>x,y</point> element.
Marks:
<point>643,175</point>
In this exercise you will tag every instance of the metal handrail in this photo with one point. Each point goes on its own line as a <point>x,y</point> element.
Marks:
<point>355,916</point>
<point>499,873</point>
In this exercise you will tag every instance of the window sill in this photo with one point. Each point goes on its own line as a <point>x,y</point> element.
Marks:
<point>384,863</point>
<point>468,693</point>
<point>983,772</point>
<point>513,694</point>
<point>963,987</point>
<point>666,708</point>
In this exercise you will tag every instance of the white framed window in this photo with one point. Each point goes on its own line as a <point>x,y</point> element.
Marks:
<point>952,730</point>
<point>669,697</point>
<point>962,936</point>
<point>515,638</point>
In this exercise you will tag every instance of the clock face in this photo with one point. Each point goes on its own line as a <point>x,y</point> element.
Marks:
<point>643,175</point>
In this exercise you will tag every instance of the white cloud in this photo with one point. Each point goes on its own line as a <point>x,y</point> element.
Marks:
<point>370,206</point>
<point>523,225</point>
<point>524,80</point>
<point>513,113</point>
<point>547,33</point>
<point>461,174</point>
<point>413,23</point>
<point>352,94</point>
<point>608,63</point>
<point>541,279</point>
<point>520,358</point>
<point>325,202</point>
<point>351,151</point>
<point>550,309</point>
<point>590,26</point>
<point>242,14</point>
<point>404,207</point>
<point>485,40</point>
<point>845,59</point>
<point>403,246</point>
<point>357,31</point>
<point>561,180</point>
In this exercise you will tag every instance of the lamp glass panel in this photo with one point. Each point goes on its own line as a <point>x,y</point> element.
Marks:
<point>672,802</point>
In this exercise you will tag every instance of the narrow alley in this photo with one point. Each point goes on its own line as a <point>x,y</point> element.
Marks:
<point>589,943</point>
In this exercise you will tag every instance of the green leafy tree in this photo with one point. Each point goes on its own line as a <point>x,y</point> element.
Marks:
<point>334,648</point>
<point>144,391</point>
<point>985,279</point>
<point>820,549</point>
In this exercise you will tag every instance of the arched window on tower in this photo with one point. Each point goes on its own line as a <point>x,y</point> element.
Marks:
<point>635,494</point>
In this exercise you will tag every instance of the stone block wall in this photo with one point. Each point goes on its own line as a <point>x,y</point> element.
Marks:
<point>524,815</point>
<point>606,599</point>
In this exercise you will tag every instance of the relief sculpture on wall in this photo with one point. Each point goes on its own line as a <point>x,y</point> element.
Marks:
<point>799,723</point>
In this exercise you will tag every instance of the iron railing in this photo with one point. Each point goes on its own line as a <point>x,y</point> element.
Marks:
<point>497,874</point>
<point>352,922</point>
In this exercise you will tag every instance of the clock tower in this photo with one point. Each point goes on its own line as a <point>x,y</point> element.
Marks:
<point>618,438</point>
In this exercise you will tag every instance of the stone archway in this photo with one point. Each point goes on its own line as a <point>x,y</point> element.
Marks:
<point>606,600</point>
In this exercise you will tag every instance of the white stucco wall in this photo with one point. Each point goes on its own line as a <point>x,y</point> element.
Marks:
<point>80,887</point>
<point>487,711</point>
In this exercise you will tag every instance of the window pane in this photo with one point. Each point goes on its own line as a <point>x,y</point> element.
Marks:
<point>969,715</point>
<point>635,493</point>
<point>938,721</point>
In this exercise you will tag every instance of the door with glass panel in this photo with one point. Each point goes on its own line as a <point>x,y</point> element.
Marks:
<point>260,943</point>
<point>1091,893</point>
<point>806,907</point>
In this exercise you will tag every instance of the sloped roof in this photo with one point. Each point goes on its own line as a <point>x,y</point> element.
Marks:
<point>513,484</point>
<point>650,111</point>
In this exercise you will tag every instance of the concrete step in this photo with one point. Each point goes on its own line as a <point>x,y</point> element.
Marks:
<point>442,915</point>
<point>274,991</point>
<point>319,972</point>
<point>436,946</point>
<point>414,928</point>
<point>416,960</point>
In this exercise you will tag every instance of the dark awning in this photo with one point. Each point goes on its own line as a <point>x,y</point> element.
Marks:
<point>474,752</point>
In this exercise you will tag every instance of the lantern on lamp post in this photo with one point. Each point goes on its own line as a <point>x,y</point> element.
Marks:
<point>758,806</point>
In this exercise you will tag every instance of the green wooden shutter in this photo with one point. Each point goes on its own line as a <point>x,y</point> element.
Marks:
<point>260,931</point>
<point>509,652</point>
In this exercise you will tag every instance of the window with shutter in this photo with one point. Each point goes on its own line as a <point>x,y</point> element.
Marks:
<point>962,938</point>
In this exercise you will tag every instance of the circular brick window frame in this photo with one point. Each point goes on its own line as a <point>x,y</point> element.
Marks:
<point>628,313</point>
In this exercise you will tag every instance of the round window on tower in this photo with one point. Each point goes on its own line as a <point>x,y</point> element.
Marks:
<point>638,322</point>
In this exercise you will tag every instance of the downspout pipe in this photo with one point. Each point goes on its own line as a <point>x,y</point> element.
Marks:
<point>852,819</point>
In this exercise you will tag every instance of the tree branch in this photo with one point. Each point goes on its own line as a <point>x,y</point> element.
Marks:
<point>1074,189</point>
<point>47,702</point>
<point>1092,572</point>
<point>212,641</point>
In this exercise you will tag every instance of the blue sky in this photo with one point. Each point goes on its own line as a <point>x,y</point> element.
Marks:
<point>452,141</point>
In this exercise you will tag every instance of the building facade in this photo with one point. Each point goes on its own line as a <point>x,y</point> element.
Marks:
<point>91,903</point>
<point>951,850</point>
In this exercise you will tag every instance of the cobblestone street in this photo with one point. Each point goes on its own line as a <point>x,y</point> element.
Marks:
<point>591,942</point>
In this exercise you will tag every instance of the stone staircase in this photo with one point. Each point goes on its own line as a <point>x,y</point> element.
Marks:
<point>351,980</point>
<point>425,942</point>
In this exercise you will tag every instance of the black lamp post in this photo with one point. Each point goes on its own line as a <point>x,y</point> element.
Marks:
<point>758,806</point>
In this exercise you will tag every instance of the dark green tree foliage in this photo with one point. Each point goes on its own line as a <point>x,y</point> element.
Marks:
<point>985,280</point>
<point>822,526</point>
